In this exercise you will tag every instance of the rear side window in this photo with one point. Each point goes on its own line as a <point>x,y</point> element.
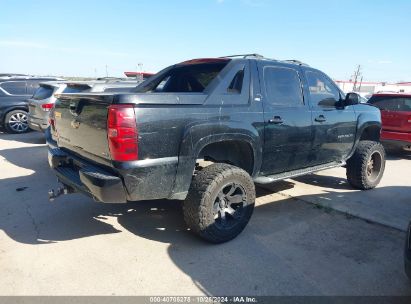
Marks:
<point>391,103</point>
<point>184,78</point>
<point>323,92</point>
<point>236,84</point>
<point>15,87</point>
<point>283,86</point>
<point>43,92</point>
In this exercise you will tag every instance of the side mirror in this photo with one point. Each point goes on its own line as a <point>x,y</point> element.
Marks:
<point>351,99</point>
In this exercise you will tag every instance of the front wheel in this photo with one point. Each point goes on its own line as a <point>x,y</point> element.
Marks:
<point>220,202</point>
<point>366,167</point>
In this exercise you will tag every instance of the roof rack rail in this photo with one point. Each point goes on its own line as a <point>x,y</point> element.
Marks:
<point>296,62</point>
<point>244,56</point>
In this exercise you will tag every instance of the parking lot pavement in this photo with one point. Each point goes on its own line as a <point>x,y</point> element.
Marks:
<point>77,246</point>
<point>389,204</point>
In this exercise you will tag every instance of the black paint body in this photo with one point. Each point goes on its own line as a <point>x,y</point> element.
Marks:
<point>175,129</point>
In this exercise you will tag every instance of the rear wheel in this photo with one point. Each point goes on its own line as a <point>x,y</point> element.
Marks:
<point>366,167</point>
<point>16,121</point>
<point>220,202</point>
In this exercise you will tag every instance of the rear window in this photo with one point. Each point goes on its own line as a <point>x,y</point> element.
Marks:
<point>391,103</point>
<point>43,92</point>
<point>184,78</point>
<point>76,88</point>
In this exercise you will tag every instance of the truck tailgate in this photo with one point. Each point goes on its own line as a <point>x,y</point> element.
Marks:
<point>81,125</point>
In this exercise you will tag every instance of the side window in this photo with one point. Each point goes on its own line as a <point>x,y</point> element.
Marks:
<point>323,92</point>
<point>15,87</point>
<point>391,103</point>
<point>236,84</point>
<point>283,86</point>
<point>407,104</point>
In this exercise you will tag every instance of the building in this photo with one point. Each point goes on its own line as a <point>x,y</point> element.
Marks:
<point>139,75</point>
<point>367,88</point>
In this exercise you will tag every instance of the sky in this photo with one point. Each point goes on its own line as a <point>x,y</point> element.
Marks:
<point>81,38</point>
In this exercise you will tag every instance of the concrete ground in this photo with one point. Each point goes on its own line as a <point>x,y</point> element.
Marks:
<point>290,247</point>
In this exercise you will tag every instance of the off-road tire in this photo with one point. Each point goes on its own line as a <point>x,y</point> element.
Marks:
<point>357,165</point>
<point>199,206</point>
<point>9,128</point>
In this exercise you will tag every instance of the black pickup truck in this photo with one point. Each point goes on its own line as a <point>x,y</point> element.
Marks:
<point>205,130</point>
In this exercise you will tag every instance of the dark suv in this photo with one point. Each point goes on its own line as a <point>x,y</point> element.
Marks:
<point>14,92</point>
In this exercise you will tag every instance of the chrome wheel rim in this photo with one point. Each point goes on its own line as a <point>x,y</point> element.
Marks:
<point>229,205</point>
<point>18,122</point>
<point>374,166</point>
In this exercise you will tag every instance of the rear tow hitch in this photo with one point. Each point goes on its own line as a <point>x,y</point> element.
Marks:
<point>63,190</point>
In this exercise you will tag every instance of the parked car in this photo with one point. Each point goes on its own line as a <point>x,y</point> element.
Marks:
<point>12,75</point>
<point>44,98</point>
<point>14,92</point>
<point>255,120</point>
<point>396,119</point>
<point>407,252</point>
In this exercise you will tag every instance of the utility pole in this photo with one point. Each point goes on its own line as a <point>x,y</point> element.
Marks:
<point>357,74</point>
<point>359,89</point>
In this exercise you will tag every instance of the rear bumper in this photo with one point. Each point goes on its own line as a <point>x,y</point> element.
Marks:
<point>396,139</point>
<point>134,181</point>
<point>103,186</point>
<point>37,124</point>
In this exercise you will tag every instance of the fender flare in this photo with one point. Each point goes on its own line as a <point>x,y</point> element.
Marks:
<point>364,121</point>
<point>189,152</point>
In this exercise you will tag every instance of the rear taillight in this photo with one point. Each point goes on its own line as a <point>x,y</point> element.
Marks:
<point>409,119</point>
<point>122,132</point>
<point>47,107</point>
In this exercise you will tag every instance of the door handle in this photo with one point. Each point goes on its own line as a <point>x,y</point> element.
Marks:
<point>320,118</point>
<point>276,120</point>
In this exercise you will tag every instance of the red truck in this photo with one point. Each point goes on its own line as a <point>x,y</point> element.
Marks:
<point>396,118</point>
